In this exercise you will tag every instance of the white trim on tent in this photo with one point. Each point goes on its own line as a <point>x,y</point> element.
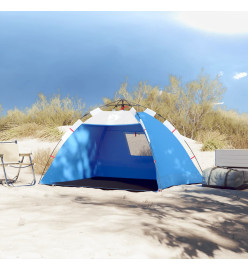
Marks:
<point>181,140</point>
<point>133,111</point>
<point>150,112</point>
<point>144,128</point>
<point>77,124</point>
<point>174,131</point>
<point>71,130</point>
<point>113,118</point>
<point>95,111</point>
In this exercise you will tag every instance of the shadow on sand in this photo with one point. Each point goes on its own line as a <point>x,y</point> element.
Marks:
<point>198,221</point>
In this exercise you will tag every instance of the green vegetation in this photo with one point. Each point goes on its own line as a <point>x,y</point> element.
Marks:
<point>191,107</point>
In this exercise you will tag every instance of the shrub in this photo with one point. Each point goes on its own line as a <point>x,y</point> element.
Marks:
<point>31,130</point>
<point>191,109</point>
<point>213,140</point>
<point>55,111</point>
<point>42,119</point>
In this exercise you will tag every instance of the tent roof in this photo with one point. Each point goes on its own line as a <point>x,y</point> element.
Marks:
<point>100,117</point>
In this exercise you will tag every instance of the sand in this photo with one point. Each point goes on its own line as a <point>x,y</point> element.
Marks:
<point>188,221</point>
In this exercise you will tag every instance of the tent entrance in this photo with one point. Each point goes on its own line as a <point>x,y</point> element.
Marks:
<point>123,152</point>
<point>104,157</point>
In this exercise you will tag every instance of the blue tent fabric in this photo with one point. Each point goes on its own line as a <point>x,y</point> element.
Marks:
<point>99,151</point>
<point>99,156</point>
<point>173,164</point>
<point>76,158</point>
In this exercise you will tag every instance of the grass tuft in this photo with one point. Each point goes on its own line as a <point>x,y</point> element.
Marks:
<point>42,119</point>
<point>40,159</point>
<point>31,130</point>
<point>213,140</point>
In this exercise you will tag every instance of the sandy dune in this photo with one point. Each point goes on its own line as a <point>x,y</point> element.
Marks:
<point>179,222</point>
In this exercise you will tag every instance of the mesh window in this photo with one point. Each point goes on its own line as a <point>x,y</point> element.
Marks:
<point>138,144</point>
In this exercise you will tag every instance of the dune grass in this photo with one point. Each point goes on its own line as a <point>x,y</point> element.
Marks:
<point>40,158</point>
<point>213,140</point>
<point>42,119</point>
<point>189,107</point>
<point>31,130</point>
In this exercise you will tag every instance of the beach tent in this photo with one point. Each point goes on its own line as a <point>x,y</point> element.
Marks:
<point>122,149</point>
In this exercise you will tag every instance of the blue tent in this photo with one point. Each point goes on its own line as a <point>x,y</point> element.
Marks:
<point>122,150</point>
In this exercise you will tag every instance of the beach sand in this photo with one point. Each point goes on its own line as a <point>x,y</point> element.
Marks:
<point>188,221</point>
